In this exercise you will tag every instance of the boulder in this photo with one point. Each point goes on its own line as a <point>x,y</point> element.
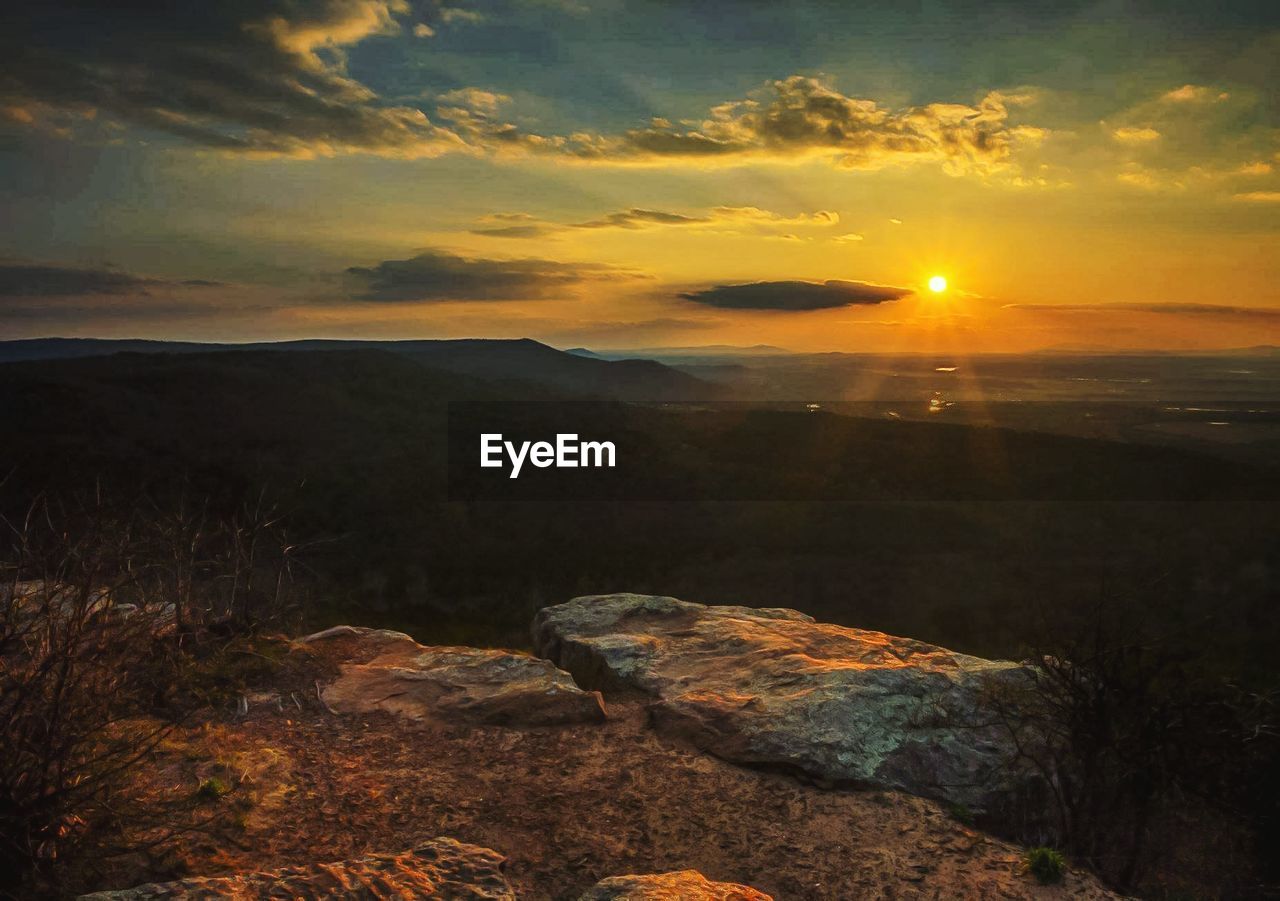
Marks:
<point>682,885</point>
<point>381,670</point>
<point>441,868</point>
<point>772,687</point>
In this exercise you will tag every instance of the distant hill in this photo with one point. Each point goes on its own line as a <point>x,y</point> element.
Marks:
<point>685,353</point>
<point>375,421</point>
<point>72,348</point>
<point>494,359</point>
<point>525,359</point>
<point>356,446</point>
<point>1256,350</point>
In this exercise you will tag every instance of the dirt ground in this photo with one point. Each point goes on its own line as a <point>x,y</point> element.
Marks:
<point>567,805</point>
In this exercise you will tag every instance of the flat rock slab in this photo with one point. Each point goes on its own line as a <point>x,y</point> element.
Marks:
<point>682,885</point>
<point>770,686</point>
<point>439,869</point>
<point>381,670</point>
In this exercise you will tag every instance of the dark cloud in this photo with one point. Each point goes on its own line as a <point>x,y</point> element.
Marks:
<point>1171,309</point>
<point>795,295</point>
<point>270,77</point>
<point>27,280</point>
<point>636,218</point>
<point>438,276</point>
<point>79,313</point>
<point>265,76</point>
<point>517,231</point>
<point>36,280</point>
<point>633,219</point>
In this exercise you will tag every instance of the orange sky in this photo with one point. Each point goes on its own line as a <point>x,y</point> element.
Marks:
<point>1081,179</point>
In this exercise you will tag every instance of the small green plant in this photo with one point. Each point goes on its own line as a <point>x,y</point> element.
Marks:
<point>212,789</point>
<point>961,814</point>
<point>1046,864</point>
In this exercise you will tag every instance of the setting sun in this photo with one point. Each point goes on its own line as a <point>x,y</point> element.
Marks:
<point>937,284</point>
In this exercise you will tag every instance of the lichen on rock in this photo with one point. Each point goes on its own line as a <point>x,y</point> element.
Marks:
<point>773,687</point>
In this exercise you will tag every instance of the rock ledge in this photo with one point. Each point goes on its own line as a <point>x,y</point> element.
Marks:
<point>381,670</point>
<point>773,687</point>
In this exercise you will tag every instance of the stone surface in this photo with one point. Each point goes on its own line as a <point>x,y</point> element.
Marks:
<point>381,670</point>
<point>682,885</point>
<point>773,687</point>
<point>439,869</point>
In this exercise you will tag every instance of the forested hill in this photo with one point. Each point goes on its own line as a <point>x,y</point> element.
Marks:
<point>492,359</point>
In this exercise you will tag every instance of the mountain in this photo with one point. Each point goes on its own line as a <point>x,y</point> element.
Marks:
<point>528,360</point>
<point>357,444</point>
<point>492,359</point>
<point>685,353</point>
<point>1256,350</point>
<point>72,348</point>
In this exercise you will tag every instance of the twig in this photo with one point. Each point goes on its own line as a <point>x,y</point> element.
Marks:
<point>320,698</point>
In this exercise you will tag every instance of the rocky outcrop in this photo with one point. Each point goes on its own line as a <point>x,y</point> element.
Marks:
<point>773,687</point>
<point>682,885</point>
<point>439,869</point>
<point>381,670</point>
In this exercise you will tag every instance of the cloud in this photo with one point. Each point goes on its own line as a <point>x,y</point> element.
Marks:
<point>69,297</point>
<point>802,116</point>
<point>1135,135</point>
<point>1194,93</point>
<point>265,78</point>
<point>755,215</point>
<point>795,295</point>
<point>37,280</point>
<point>270,79</point>
<point>475,100</point>
<point>851,238</point>
<point>1170,309</point>
<point>515,225</point>
<point>1190,137</point>
<point>453,15</point>
<point>1258,197</point>
<point>718,216</point>
<point>435,275</point>
<point>1139,177</point>
<point>733,218</point>
<point>638,218</point>
<point>518,231</point>
<point>1257,167</point>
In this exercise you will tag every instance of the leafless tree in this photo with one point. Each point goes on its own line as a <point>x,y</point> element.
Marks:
<point>103,616</point>
<point>76,634</point>
<point>1129,742</point>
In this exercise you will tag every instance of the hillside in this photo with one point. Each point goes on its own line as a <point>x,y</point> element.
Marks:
<point>993,542</point>
<point>354,445</point>
<point>494,359</point>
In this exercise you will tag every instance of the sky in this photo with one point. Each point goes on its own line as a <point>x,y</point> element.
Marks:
<point>649,173</point>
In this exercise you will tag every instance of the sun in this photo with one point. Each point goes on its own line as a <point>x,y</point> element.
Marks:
<point>937,284</point>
